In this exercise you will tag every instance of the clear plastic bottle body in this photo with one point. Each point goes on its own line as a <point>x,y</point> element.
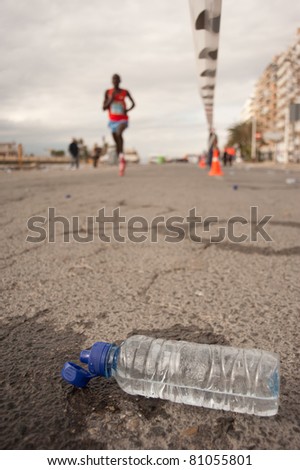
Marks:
<point>212,376</point>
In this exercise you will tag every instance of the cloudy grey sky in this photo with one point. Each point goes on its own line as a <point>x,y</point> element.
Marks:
<point>57,58</point>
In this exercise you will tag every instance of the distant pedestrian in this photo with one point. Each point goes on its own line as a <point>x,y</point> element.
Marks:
<point>114,102</point>
<point>96,153</point>
<point>225,157</point>
<point>74,151</point>
<point>82,151</point>
<point>230,154</point>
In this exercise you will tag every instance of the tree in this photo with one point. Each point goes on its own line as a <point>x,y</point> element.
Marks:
<point>240,134</point>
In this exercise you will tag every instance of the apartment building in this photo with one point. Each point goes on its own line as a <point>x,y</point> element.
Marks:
<point>276,90</point>
<point>248,109</point>
<point>265,98</point>
<point>8,149</point>
<point>288,93</point>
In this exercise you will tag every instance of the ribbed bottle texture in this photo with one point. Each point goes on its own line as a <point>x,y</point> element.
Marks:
<point>213,376</point>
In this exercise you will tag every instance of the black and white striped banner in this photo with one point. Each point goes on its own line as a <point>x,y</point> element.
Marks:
<point>206,19</point>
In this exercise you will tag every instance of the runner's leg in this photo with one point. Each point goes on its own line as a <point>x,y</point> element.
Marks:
<point>119,133</point>
<point>115,137</point>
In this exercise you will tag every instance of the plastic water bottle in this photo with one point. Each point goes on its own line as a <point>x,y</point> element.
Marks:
<point>212,376</point>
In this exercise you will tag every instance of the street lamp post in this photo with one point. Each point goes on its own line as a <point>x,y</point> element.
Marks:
<point>286,135</point>
<point>253,139</point>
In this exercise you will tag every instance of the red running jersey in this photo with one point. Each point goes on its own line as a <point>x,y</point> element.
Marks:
<point>117,108</point>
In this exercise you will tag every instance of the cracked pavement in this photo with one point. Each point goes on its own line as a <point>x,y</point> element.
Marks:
<point>59,298</point>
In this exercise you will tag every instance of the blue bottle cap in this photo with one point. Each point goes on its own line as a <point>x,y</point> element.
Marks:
<point>96,358</point>
<point>76,375</point>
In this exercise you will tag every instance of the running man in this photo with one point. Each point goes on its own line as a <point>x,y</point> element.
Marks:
<point>114,101</point>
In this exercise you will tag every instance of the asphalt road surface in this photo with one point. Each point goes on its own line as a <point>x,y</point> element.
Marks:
<point>59,297</point>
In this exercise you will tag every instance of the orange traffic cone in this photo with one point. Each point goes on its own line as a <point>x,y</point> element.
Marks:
<point>122,165</point>
<point>215,169</point>
<point>202,162</point>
